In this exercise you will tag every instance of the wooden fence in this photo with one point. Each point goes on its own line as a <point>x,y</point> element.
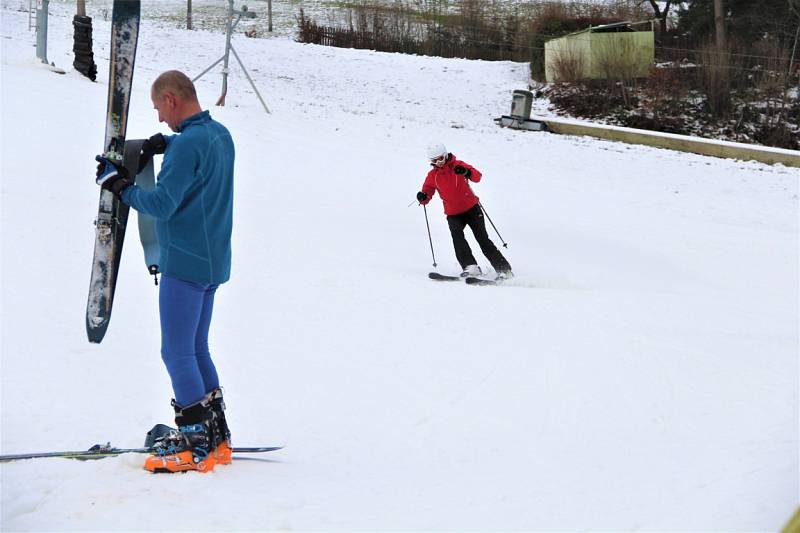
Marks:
<point>451,45</point>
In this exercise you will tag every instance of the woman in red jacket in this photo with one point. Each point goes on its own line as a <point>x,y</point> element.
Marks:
<point>451,177</point>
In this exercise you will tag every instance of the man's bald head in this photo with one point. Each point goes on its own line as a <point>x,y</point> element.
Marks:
<point>177,83</point>
<point>174,98</point>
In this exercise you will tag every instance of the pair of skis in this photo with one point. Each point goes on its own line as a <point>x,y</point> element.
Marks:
<point>469,280</point>
<point>102,451</point>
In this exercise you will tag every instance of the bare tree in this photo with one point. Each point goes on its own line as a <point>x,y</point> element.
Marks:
<point>717,65</point>
<point>794,5</point>
<point>661,14</point>
<point>719,25</point>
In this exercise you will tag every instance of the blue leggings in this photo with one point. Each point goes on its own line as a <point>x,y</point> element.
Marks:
<point>185,309</point>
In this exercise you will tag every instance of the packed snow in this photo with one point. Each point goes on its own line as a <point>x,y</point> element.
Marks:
<point>639,373</point>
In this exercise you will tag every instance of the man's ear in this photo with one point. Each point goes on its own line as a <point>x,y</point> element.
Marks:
<point>170,99</point>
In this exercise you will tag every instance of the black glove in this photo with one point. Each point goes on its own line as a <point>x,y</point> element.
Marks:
<point>112,177</point>
<point>458,169</point>
<point>422,197</point>
<point>152,146</point>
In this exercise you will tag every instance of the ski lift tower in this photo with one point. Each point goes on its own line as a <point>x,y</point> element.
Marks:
<point>231,25</point>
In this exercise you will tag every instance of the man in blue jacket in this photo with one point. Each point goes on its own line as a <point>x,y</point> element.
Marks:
<point>193,207</point>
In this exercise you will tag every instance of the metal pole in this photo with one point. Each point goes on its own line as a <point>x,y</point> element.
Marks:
<point>226,57</point>
<point>429,234</point>
<point>221,101</point>
<point>253,85</point>
<point>41,29</point>
<point>505,244</point>
<point>209,68</point>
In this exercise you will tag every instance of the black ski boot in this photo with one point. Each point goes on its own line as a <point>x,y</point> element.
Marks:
<point>190,446</point>
<point>222,435</point>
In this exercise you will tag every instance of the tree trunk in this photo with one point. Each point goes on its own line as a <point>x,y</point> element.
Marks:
<point>661,15</point>
<point>188,14</point>
<point>82,8</point>
<point>719,25</point>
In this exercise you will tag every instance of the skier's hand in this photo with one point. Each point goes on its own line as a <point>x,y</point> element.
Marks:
<point>156,144</point>
<point>422,197</point>
<point>111,177</point>
<point>458,169</point>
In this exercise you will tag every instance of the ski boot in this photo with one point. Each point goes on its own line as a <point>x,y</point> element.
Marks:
<point>222,435</point>
<point>189,447</point>
<point>504,275</point>
<point>471,271</point>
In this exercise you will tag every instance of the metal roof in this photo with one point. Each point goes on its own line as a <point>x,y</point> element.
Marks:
<point>605,27</point>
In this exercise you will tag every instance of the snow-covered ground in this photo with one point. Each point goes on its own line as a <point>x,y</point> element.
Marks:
<point>640,373</point>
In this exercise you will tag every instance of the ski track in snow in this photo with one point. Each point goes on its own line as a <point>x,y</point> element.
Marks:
<point>639,373</point>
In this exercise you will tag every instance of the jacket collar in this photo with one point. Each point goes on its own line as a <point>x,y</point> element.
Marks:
<point>197,118</point>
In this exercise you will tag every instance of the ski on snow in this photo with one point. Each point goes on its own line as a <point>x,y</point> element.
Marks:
<point>480,281</point>
<point>471,280</point>
<point>441,277</point>
<point>101,451</point>
<point>112,215</point>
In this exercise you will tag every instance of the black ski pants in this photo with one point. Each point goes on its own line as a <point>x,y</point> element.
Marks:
<point>476,222</point>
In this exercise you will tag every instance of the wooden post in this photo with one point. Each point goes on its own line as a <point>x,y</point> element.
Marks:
<point>82,8</point>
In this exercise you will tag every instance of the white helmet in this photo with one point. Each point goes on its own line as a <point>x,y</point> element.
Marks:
<point>436,150</point>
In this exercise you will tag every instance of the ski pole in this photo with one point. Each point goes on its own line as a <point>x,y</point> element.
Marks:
<point>505,244</point>
<point>425,210</point>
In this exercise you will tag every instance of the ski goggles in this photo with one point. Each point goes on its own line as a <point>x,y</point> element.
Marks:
<point>438,160</point>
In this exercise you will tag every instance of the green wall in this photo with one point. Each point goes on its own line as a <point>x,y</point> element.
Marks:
<point>600,55</point>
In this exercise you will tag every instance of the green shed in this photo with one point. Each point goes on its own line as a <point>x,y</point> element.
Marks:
<point>599,52</point>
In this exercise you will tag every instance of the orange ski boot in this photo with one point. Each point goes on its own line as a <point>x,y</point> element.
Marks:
<point>189,447</point>
<point>223,455</point>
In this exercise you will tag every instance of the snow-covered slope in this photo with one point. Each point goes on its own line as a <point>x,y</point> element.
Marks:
<point>640,373</point>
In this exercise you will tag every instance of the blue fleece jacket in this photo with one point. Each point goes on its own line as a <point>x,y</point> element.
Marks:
<point>193,202</point>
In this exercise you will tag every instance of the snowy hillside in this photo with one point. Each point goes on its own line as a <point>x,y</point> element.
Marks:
<point>640,373</point>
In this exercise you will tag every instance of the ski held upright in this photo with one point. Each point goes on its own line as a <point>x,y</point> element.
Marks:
<point>112,215</point>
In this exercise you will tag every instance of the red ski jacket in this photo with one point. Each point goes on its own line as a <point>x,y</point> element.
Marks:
<point>454,189</point>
